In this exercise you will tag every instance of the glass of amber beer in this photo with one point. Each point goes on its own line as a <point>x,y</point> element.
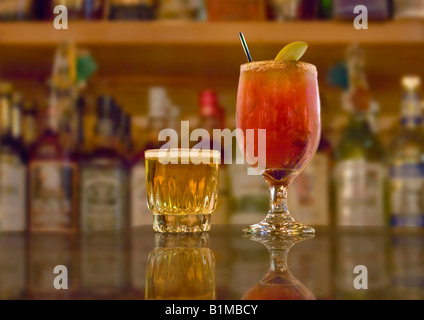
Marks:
<point>182,188</point>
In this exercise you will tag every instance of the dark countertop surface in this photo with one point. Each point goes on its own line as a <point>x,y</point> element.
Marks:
<point>224,264</point>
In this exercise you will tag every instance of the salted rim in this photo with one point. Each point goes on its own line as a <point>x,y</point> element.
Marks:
<point>183,154</point>
<point>266,65</point>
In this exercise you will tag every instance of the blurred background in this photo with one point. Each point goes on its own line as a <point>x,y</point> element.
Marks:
<point>123,70</point>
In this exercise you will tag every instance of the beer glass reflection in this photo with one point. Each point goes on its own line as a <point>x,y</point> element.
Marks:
<point>181,267</point>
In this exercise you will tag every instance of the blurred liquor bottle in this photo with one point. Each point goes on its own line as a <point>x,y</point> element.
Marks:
<point>212,117</point>
<point>29,124</point>
<point>407,161</point>
<point>159,106</point>
<point>282,10</point>
<point>126,143</point>
<point>79,140</point>
<point>132,9</point>
<point>377,9</point>
<point>181,10</point>
<point>325,9</point>
<point>11,10</point>
<point>77,9</point>
<point>104,176</point>
<point>53,178</point>
<point>359,174</point>
<point>403,10</point>
<point>64,92</point>
<point>53,163</point>
<point>41,9</point>
<point>83,9</point>
<point>12,164</point>
<point>309,200</point>
<point>250,195</point>
<point>308,9</point>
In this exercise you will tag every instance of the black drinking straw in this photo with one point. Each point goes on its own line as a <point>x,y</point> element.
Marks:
<point>245,47</point>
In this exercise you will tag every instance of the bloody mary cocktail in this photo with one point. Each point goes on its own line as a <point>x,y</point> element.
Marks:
<point>281,97</point>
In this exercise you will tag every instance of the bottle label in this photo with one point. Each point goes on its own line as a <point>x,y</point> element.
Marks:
<point>140,213</point>
<point>407,194</point>
<point>359,193</point>
<point>52,198</point>
<point>251,196</point>
<point>12,194</point>
<point>102,198</point>
<point>308,195</point>
<point>244,185</point>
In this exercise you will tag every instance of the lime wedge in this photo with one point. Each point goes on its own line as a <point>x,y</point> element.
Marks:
<point>293,51</point>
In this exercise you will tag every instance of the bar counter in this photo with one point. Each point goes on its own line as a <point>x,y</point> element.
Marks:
<point>224,264</point>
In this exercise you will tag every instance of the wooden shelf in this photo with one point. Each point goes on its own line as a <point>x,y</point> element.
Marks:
<point>181,53</point>
<point>188,56</point>
<point>217,33</point>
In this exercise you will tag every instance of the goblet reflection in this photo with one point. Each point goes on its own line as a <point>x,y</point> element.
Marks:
<point>279,283</point>
<point>181,267</point>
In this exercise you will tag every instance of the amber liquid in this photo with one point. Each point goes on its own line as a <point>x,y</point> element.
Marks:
<point>182,196</point>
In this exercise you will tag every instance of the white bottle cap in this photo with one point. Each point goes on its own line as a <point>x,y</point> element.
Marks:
<point>411,83</point>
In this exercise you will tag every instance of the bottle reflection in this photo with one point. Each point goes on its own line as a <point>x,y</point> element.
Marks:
<point>407,263</point>
<point>45,252</point>
<point>181,267</point>
<point>12,266</point>
<point>368,248</point>
<point>279,283</point>
<point>104,265</point>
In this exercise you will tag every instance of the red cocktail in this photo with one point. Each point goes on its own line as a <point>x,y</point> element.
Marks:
<point>281,97</point>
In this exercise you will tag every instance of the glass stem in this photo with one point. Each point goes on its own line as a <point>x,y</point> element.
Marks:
<point>278,210</point>
<point>278,203</point>
<point>279,260</point>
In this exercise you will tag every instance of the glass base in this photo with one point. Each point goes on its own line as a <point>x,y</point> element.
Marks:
<point>191,223</point>
<point>278,224</point>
